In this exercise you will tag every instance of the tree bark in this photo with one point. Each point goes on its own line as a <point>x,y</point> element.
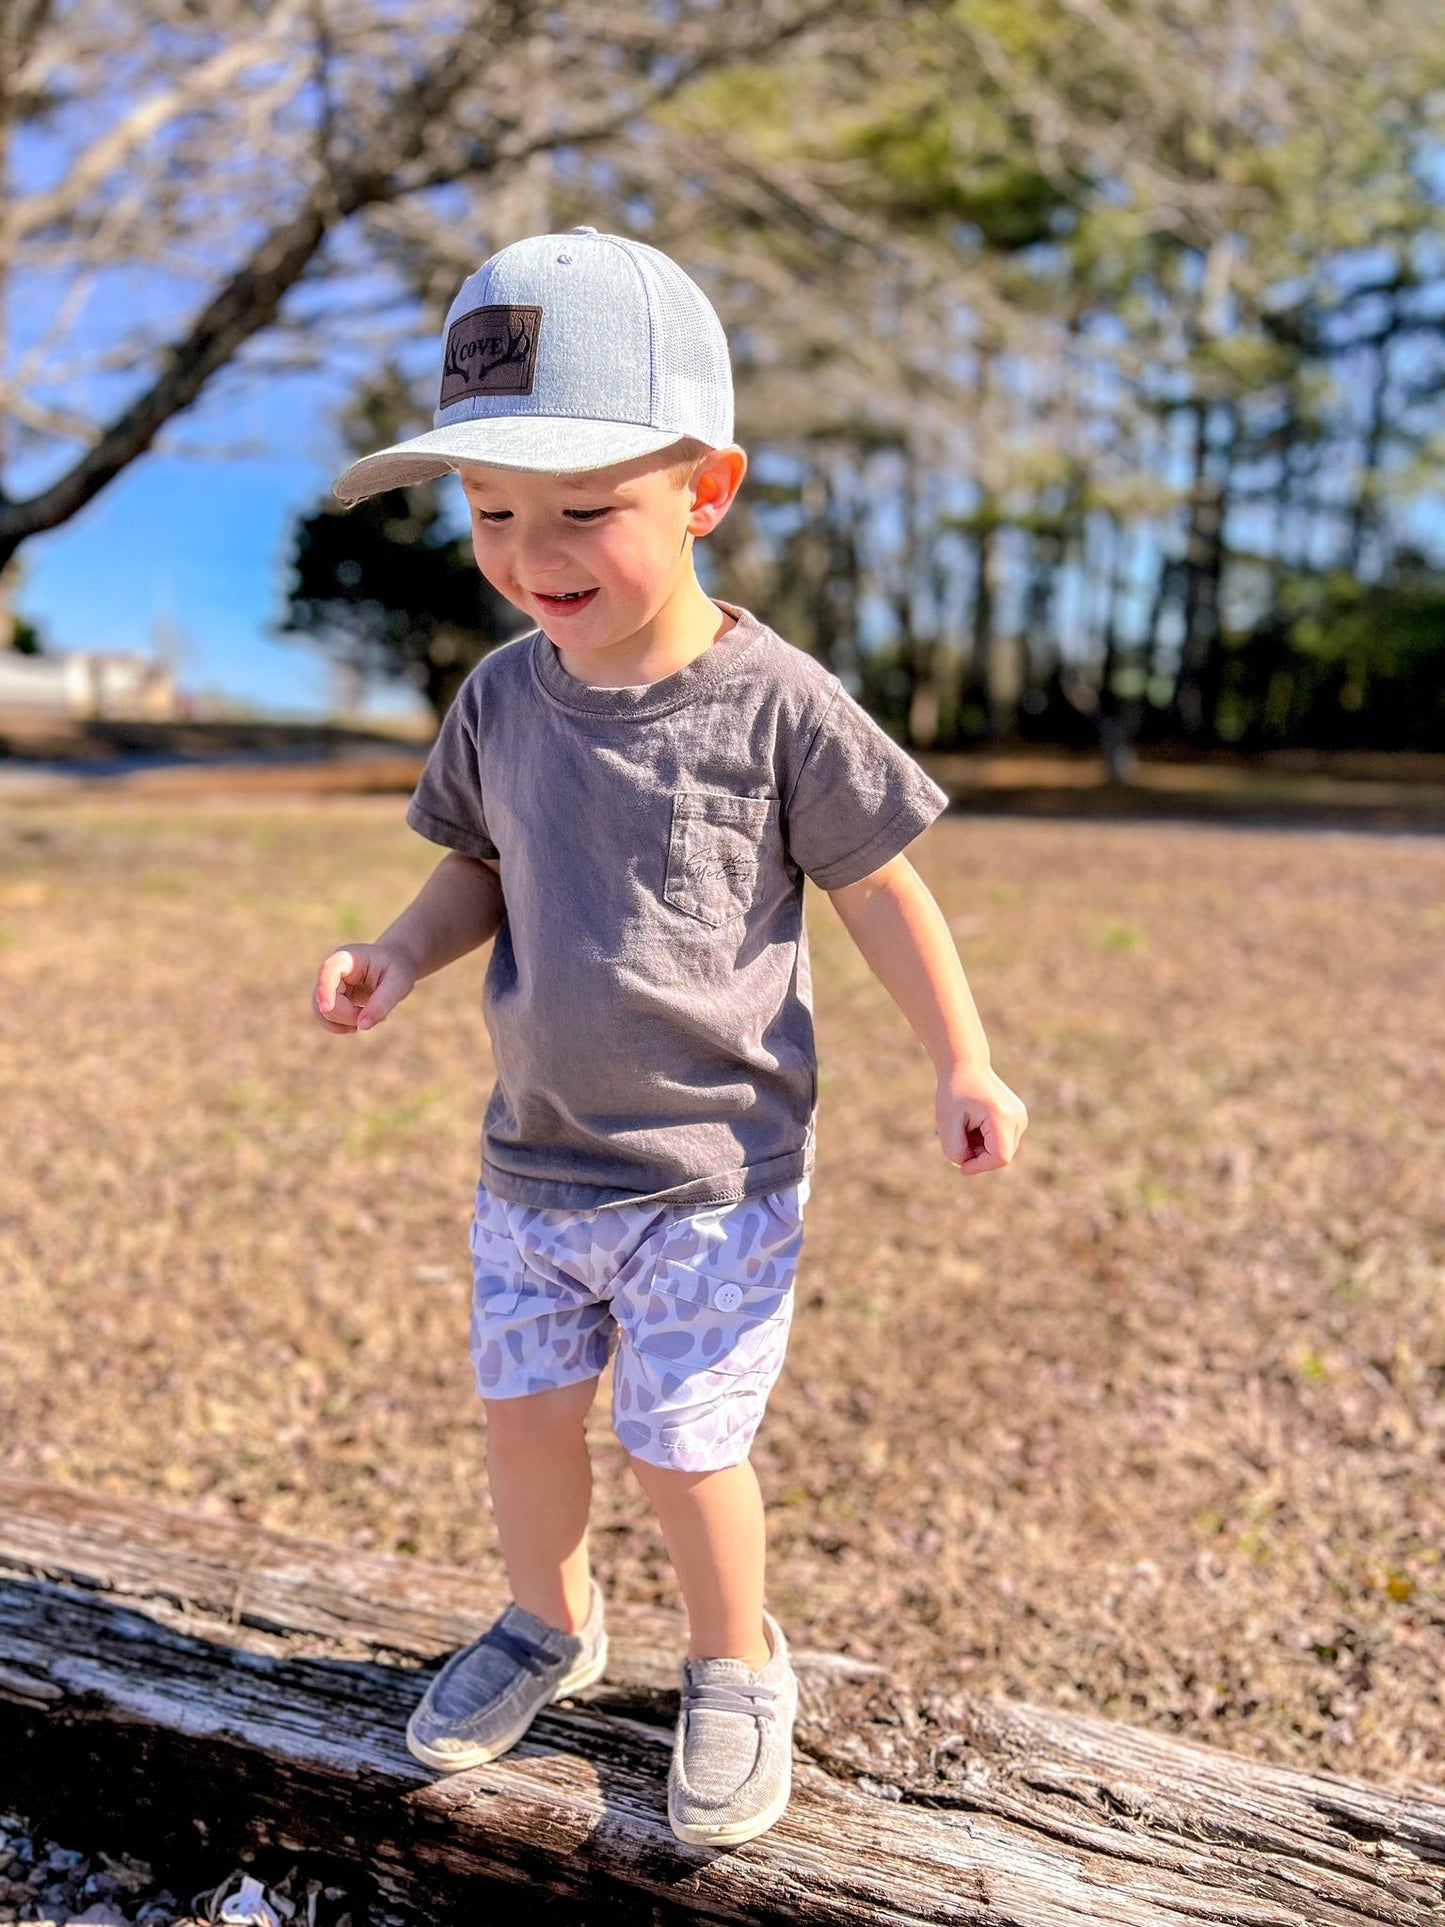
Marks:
<point>176,1672</point>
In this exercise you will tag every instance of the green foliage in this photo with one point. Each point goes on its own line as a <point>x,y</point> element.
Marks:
<point>387,589</point>
<point>25,638</point>
<point>921,172</point>
<point>1342,664</point>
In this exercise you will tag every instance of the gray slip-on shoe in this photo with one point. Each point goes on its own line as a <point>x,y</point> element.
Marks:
<point>488,1694</point>
<point>732,1759</point>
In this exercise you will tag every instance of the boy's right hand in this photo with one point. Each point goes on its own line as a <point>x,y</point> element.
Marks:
<point>358,986</point>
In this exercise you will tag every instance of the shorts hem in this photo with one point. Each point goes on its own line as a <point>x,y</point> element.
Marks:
<point>560,1385</point>
<point>670,1463</point>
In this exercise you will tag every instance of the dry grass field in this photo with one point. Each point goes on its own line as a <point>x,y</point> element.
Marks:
<point>1149,1424</point>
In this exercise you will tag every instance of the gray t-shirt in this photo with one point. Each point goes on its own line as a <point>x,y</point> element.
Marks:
<point>648,995</point>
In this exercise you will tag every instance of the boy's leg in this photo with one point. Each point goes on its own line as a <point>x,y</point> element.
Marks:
<point>550,1640</point>
<point>713,1525</point>
<point>541,1487</point>
<point>704,1326</point>
<point>731,1769</point>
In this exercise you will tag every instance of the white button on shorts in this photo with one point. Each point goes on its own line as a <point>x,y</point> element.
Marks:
<point>727,1297</point>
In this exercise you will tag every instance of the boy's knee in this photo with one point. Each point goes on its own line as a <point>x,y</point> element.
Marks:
<point>649,1474</point>
<point>669,1479</point>
<point>540,1418</point>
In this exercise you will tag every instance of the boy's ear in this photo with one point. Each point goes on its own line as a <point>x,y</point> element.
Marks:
<point>716,480</point>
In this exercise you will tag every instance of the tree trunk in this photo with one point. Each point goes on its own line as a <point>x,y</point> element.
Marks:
<point>1365,513</point>
<point>977,688</point>
<point>178,1675</point>
<point>918,641</point>
<point>1203,567</point>
<point>1119,716</point>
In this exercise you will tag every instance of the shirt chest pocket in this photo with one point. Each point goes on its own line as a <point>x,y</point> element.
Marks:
<point>713,852</point>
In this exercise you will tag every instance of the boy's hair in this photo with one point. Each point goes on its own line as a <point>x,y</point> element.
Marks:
<point>683,458</point>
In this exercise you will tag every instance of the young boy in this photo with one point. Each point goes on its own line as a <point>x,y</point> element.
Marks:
<point>631,796</point>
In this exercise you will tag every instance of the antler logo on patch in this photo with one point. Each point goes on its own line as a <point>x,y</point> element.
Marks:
<point>491,351</point>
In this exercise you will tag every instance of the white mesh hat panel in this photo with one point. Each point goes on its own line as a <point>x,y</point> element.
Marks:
<point>691,376</point>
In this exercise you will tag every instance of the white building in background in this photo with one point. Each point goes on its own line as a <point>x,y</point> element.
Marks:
<point>82,684</point>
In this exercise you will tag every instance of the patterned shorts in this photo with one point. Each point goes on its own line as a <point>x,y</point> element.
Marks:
<point>699,1297</point>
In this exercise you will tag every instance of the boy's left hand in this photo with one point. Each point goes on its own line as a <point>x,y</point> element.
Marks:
<point>980,1120</point>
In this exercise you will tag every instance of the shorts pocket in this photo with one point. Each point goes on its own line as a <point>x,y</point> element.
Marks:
<point>691,1321</point>
<point>712,855</point>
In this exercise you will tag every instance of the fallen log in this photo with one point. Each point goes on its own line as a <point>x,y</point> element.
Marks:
<point>255,1685</point>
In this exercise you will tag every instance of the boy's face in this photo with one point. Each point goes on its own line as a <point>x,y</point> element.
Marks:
<point>594,558</point>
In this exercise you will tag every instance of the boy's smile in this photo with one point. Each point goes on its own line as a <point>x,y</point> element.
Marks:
<point>603,561</point>
<point>565,604</point>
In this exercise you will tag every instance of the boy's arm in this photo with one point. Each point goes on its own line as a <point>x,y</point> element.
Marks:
<point>895,922</point>
<point>457,909</point>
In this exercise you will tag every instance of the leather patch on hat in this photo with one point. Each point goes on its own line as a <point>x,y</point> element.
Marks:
<point>491,351</point>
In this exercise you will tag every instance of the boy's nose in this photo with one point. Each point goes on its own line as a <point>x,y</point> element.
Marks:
<point>541,562</point>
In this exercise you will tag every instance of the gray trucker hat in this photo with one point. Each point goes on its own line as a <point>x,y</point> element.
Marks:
<point>567,352</point>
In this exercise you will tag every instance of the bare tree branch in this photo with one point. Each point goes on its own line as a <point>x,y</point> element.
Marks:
<point>480,100</point>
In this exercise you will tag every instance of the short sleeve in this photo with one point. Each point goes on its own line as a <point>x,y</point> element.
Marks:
<point>447,805</point>
<point>858,800</point>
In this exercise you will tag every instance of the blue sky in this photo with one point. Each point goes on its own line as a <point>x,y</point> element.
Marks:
<point>181,544</point>
<point>196,546</point>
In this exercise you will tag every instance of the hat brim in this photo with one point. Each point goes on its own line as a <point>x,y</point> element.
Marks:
<point>546,444</point>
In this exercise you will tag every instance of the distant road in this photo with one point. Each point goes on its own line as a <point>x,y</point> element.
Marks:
<point>1363,790</point>
<point>43,755</point>
<point>259,771</point>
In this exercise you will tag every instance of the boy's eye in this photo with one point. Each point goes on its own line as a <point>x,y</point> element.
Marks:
<point>573,515</point>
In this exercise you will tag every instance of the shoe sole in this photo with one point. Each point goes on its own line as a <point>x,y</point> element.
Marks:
<point>732,1833</point>
<point>454,1762</point>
